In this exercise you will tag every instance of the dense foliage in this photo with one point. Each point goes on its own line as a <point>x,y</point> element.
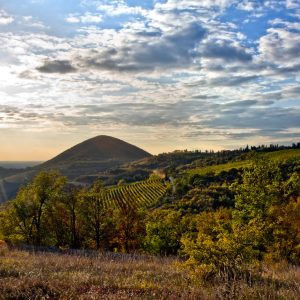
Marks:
<point>215,220</point>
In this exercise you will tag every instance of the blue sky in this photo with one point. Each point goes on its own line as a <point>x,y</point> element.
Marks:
<point>164,75</point>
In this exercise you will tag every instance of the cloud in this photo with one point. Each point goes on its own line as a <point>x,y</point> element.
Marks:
<point>292,4</point>
<point>188,4</point>
<point>247,5</point>
<point>85,18</point>
<point>171,50</point>
<point>5,19</point>
<point>226,51</point>
<point>163,67</point>
<point>281,47</point>
<point>243,103</point>
<point>232,81</point>
<point>120,8</point>
<point>225,81</point>
<point>56,66</point>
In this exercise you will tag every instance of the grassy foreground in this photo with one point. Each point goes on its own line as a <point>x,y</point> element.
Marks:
<point>25,275</point>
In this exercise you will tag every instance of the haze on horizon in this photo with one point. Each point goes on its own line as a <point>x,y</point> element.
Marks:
<point>160,74</point>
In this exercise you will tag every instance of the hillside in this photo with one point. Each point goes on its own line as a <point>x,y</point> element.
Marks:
<point>281,155</point>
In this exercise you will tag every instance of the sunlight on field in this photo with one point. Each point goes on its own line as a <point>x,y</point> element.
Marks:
<point>120,276</point>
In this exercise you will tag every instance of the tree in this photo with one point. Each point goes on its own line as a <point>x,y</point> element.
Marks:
<point>29,209</point>
<point>129,224</point>
<point>163,232</point>
<point>46,187</point>
<point>93,211</point>
<point>260,188</point>
<point>63,218</point>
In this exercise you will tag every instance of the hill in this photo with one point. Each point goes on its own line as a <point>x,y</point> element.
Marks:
<point>101,148</point>
<point>98,154</point>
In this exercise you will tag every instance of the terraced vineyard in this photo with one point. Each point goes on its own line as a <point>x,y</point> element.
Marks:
<point>139,194</point>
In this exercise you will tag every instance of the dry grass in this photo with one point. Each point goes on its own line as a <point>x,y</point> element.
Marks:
<point>25,275</point>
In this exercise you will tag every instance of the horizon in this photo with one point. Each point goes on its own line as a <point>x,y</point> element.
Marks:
<point>36,162</point>
<point>163,75</point>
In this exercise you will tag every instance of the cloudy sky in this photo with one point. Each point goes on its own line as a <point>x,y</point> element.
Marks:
<point>161,74</point>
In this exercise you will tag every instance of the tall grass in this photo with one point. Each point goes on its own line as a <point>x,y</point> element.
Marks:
<point>27,275</point>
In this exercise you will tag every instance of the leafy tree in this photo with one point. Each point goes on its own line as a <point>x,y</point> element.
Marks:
<point>64,219</point>
<point>163,232</point>
<point>45,188</point>
<point>29,209</point>
<point>260,188</point>
<point>129,225</point>
<point>93,211</point>
<point>24,211</point>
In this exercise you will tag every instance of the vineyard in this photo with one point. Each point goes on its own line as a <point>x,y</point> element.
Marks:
<point>139,194</point>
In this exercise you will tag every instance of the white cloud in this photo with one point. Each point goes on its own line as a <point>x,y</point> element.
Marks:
<point>121,8</point>
<point>280,46</point>
<point>72,19</point>
<point>168,69</point>
<point>286,24</point>
<point>246,5</point>
<point>85,18</point>
<point>5,19</point>
<point>189,4</point>
<point>292,4</point>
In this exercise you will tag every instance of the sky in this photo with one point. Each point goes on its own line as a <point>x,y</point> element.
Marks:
<point>160,74</point>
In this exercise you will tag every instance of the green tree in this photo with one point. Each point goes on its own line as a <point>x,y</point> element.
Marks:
<point>93,211</point>
<point>29,209</point>
<point>46,187</point>
<point>260,188</point>
<point>163,232</point>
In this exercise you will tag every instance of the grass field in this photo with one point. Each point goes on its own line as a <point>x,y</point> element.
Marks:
<point>25,275</point>
<point>281,155</point>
